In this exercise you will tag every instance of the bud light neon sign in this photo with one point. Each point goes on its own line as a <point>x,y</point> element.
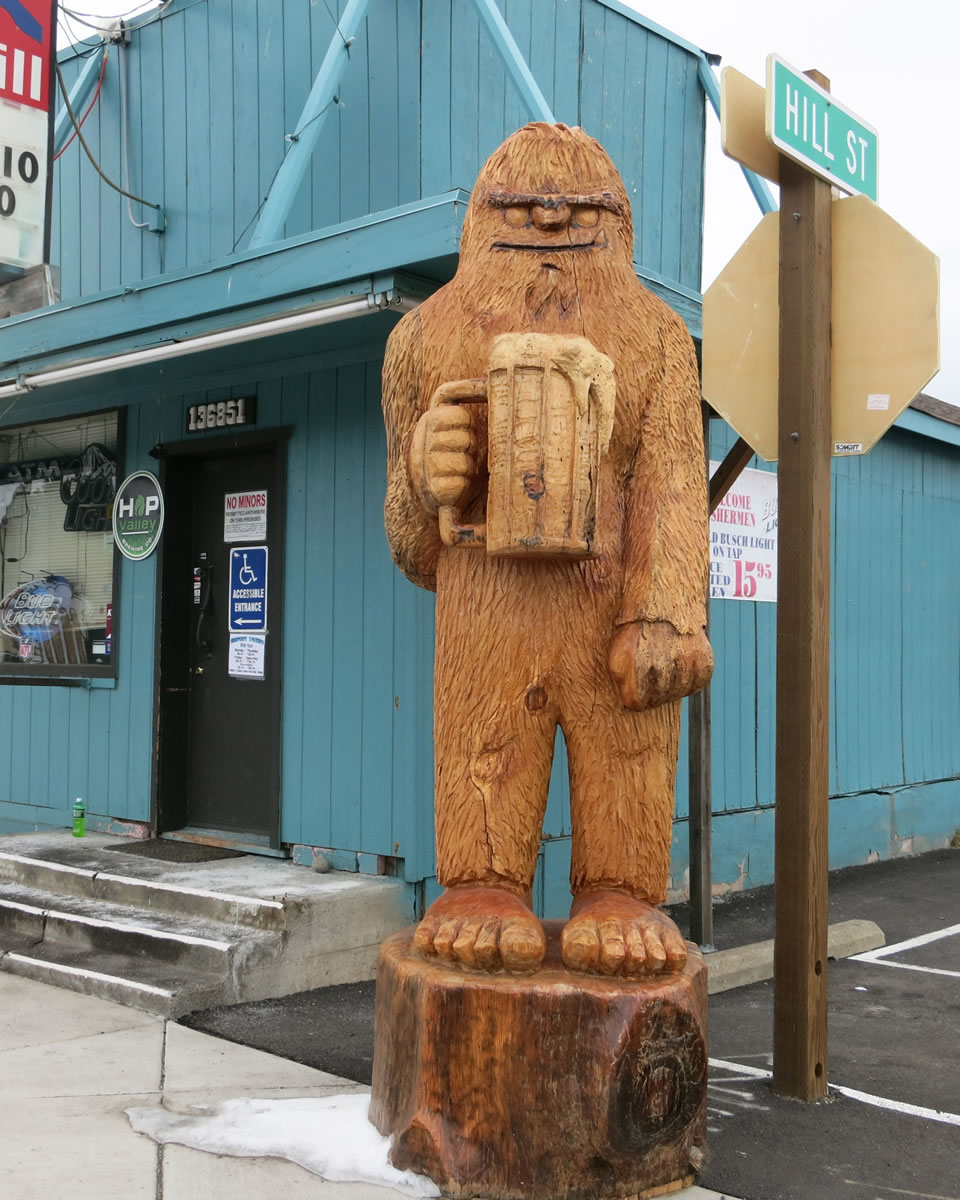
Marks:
<point>36,611</point>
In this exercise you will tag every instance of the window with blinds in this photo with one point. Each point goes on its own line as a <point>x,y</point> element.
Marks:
<point>57,483</point>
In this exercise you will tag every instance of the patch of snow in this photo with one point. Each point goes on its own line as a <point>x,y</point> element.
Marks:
<point>328,1135</point>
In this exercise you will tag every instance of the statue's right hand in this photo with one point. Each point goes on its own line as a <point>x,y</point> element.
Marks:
<point>443,455</point>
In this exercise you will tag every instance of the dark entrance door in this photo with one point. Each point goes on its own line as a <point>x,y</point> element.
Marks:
<point>219,760</point>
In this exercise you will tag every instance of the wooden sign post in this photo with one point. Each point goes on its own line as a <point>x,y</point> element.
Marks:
<point>839,304</point>
<point>803,635</point>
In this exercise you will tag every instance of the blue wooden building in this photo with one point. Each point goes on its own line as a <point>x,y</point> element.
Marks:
<point>299,182</point>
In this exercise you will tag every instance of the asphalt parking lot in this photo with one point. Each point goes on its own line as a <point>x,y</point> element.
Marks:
<point>891,1127</point>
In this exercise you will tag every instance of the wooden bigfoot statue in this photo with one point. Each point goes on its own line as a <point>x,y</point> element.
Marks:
<point>546,478</point>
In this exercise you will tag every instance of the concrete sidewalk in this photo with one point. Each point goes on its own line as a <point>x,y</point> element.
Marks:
<point>70,1065</point>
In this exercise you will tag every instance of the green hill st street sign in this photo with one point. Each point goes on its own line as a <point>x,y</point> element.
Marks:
<point>807,124</point>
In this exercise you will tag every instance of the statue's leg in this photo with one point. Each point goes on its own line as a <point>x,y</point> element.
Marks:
<point>622,772</point>
<point>494,730</point>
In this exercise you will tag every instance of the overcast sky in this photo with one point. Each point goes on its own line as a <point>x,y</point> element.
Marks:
<point>894,65</point>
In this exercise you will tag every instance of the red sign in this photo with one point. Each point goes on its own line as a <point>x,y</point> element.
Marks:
<point>27,31</point>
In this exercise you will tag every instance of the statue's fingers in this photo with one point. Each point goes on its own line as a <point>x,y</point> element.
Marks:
<point>449,462</point>
<point>651,686</point>
<point>450,416</point>
<point>453,439</point>
<point>703,666</point>
<point>447,489</point>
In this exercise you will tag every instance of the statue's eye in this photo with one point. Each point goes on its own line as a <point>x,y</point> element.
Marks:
<point>586,214</point>
<point>516,215</point>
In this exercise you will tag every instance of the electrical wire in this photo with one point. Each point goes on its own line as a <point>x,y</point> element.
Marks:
<point>77,41</point>
<point>79,14</point>
<point>96,94</point>
<point>336,25</point>
<point>291,137</point>
<point>89,152</point>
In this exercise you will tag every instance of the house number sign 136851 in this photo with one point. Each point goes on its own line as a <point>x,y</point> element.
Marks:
<point>222,414</point>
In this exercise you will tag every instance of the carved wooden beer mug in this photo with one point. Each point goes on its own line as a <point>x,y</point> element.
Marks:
<point>550,404</point>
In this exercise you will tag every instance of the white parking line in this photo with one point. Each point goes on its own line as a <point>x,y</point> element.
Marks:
<point>881,956</point>
<point>913,1110</point>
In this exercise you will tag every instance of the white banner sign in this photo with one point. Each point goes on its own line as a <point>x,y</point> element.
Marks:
<point>743,539</point>
<point>26,33</point>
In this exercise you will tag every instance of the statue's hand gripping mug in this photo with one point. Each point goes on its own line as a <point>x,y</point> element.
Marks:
<point>551,401</point>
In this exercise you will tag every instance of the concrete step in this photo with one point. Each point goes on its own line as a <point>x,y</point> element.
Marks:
<point>99,882</point>
<point>174,937</point>
<point>83,925</point>
<point>163,989</point>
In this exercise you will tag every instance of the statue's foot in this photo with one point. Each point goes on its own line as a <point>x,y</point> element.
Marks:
<point>484,927</point>
<point>612,933</point>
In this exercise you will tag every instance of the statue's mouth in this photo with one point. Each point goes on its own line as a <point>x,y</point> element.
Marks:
<point>596,243</point>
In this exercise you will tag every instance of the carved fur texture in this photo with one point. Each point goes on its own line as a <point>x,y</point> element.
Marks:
<point>525,644</point>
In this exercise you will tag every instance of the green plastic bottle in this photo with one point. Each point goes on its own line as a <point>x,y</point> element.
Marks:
<point>79,818</point>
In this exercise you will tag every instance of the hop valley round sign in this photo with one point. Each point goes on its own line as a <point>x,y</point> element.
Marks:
<point>138,515</point>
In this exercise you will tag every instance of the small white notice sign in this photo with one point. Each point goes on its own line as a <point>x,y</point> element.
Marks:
<point>245,516</point>
<point>247,653</point>
<point>878,401</point>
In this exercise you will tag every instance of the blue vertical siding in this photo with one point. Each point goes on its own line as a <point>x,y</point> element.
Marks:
<point>215,87</point>
<point>895,663</point>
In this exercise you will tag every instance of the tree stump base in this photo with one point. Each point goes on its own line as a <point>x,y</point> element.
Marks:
<point>544,1086</point>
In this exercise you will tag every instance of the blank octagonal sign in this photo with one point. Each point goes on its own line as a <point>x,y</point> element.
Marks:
<point>885,318</point>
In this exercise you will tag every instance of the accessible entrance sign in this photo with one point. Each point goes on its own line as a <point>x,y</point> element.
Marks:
<point>807,124</point>
<point>248,590</point>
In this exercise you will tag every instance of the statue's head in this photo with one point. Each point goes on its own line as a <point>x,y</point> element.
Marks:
<point>549,196</point>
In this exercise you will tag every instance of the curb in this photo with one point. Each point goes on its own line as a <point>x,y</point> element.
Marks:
<point>741,965</point>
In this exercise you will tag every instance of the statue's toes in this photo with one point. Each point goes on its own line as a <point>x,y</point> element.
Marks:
<point>425,933</point>
<point>446,936</point>
<point>613,950</point>
<point>675,948</point>
<point>653,941</point>
<point>580,945</point>
<point>486,948</point>
<point>465,947</point>
<point>523,944</point>
<point>635,961</point>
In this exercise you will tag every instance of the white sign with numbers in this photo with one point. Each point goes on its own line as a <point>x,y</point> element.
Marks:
<point>743,539</point>
<point>222,414</point>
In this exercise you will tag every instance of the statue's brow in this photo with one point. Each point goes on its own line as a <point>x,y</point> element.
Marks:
<point>502,199</point>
